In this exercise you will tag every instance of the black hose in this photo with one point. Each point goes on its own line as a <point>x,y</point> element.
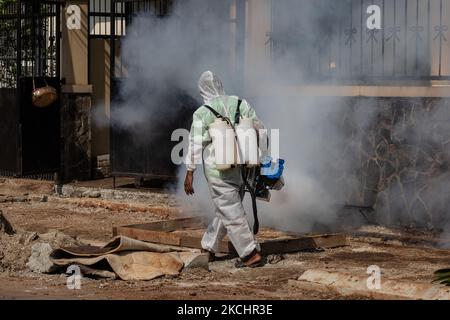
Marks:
<point>253,196</point>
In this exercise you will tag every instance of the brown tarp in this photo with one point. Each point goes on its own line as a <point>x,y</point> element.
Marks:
<point>128,258</point>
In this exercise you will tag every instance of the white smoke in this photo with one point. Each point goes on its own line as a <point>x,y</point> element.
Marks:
<point>164,56</point>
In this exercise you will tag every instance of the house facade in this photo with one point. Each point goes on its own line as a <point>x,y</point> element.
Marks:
<point>391,55</point>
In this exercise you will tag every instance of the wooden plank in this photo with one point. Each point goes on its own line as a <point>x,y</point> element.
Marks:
<point>286,246</point>
<point>303,243</point>
<point>272,241</point>
<point>172,225</point>
<point>330,240</point>
<point>267,233</point>
<point>192,239</point>
<point>225,246</point>
<point>161,237</point>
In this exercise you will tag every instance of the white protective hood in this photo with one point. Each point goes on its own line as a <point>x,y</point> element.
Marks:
<point>210,86</point>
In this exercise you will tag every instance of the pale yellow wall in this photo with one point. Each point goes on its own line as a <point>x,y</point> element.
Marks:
<point>435,90</point>
<point>99,74</point>
<point>99,77</point>
<point>257,46</point>
<point>74,47</point>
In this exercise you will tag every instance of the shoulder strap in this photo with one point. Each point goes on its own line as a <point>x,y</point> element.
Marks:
<point>238,112</point>
<point>218,115</point>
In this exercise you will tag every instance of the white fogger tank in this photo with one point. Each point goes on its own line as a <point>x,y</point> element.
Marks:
<point>247,143</point>
<point>223,140</point>
<point>234,146</point>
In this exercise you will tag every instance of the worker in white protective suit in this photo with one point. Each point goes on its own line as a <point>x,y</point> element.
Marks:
<point>226,186</point>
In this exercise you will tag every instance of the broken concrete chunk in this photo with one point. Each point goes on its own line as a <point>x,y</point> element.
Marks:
<point>39,260</point>
<point>27,237</point>
<point>350,284</point>
<point>58,239</point>
<point>5,226</point>
<point>4,199</point>
<point>91,194</point>
<point>275,258</point>
<point>195,260</point>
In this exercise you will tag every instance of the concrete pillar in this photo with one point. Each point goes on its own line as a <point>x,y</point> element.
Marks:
<point>75,92</point>
<point>99,77</point>
<point>100,80</point>
<point>258,46</point>
<point>74,43</point>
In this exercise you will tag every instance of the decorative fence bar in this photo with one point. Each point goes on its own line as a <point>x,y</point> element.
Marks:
<point>362,40</point>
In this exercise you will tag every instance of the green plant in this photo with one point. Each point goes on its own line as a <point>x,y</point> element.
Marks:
<point>442,276</point>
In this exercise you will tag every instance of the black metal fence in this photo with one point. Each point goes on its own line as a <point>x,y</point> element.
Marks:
<point>28,40</point>
<point>29,50</point>
<point>100,18</point>
<point>132,149</point>
<point>328,40</point>
<point>123,12</point>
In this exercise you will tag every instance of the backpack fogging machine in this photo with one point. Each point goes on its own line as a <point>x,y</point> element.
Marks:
<point>259,176</point>
<point>260,180</point>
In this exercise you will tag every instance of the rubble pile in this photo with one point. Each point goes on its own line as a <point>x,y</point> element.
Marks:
<point>20,249</point>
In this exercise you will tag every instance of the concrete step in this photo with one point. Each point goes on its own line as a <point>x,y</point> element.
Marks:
<point>354,285</point>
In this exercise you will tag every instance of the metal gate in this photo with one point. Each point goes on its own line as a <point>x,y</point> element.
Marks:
<point>29,50</point>
<point>145,150</point>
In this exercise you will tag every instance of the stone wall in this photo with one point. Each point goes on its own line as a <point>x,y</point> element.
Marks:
<point>400,159</point>
<point>76,136</point>
<point>101,166</point>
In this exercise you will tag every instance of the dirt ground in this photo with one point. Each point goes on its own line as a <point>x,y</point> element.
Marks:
<point>32,206</point>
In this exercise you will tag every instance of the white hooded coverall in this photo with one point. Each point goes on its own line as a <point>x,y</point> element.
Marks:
<point>226,187</point>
